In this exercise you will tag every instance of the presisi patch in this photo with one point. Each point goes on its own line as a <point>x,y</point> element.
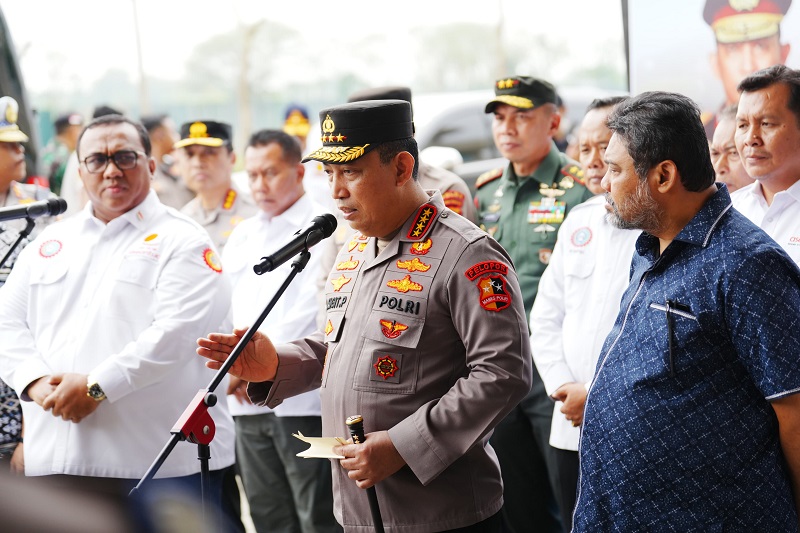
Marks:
<point>581,237</point>
<point>421,248</point>
<point>340,282</point>
<point>493,295</point>
<point>454,201</point>
<point>404,285</point>
<point>151,237</point>
<point>485,267</point>
<point>386,367</point>
<point>413,265</point>
<point>50,248</point>
<point>423,220</point>
<point>349,264</point>
<point>328,328</point>
<point>211,259</point>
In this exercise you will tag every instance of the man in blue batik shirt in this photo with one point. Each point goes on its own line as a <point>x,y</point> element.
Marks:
<point>692,422</point>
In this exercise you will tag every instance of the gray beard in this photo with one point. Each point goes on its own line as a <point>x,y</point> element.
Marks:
<point>646,215</point>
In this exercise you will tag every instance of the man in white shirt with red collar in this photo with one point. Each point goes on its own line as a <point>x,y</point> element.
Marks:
<point>768,140</point>
<point>285,492</point>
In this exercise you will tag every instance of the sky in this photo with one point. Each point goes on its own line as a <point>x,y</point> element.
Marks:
<point>79,40</point>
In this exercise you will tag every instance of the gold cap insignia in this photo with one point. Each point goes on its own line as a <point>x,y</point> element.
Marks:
<point>197,130</point>
<point>12,114</point>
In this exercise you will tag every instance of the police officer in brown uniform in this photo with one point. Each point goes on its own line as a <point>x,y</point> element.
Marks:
<point>523,206</point>
<point>205,160</point>
<point>425,337</point>
<point>748,39</point>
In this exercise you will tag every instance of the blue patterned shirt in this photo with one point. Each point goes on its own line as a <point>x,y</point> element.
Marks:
<point>678,432</point>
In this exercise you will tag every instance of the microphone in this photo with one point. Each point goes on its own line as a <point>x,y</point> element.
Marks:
<point>320,228</point>
<point>51,207</point>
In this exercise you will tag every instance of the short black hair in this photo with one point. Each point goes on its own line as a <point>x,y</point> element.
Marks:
<point>388,150</point>
<point>659,126</point>
<point>110,120</point>
<point>607,101</point>
<point>770,76</point>
<point>103,110</point>
<point>289,144</point>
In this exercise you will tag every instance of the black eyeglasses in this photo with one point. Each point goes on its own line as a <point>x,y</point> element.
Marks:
<point>123,159</point>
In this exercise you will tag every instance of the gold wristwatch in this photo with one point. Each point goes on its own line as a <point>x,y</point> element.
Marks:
<point>94,391</point>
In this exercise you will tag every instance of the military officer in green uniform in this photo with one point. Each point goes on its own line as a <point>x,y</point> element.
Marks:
<point>522,207</point>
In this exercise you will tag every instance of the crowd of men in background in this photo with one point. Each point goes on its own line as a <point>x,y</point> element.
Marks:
<point>666,367</point>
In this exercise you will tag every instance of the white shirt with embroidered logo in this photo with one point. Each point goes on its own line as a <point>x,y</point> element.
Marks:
<point>780,220</point>
<point>577,302</point>
<point>125,303</point>
<point>294,314</point>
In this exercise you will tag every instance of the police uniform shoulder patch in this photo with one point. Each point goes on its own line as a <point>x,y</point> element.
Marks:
<point>488,177</point>
<point>454,201</point>
<point>493,295</point>
<point>575,172</point>
<point>422,222</point>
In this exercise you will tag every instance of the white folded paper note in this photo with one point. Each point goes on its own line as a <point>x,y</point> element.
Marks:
<point>321,447</point>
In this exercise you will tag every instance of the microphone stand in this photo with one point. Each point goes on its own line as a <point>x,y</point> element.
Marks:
<point>195,424</point>
<point>22,234</point>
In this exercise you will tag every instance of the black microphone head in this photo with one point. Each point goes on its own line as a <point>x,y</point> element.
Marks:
<point>327,224</point>
<point>56,206</point>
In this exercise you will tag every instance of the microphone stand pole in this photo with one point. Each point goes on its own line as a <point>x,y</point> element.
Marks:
<point>22,234</point>
<point>195,424</point>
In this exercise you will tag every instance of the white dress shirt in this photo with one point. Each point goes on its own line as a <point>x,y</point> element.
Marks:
<point>577,303</point>
<point>123,302</point>
<point>780,220</point>
<point>294,314</point>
